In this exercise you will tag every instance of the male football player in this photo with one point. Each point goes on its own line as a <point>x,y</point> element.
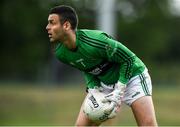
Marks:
<point>105,62</point>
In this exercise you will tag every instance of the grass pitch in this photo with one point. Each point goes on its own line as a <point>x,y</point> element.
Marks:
<point>35,105</point>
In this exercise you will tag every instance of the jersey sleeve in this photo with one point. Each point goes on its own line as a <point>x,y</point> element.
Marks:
<point>91,80</point>
<point>116,52</point>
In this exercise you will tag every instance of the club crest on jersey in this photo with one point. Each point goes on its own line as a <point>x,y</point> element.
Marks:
<point>111,51</point>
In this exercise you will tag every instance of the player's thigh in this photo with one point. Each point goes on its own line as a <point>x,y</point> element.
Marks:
<point>83,120</point>
<point>138,96</point>
<point>143,110</point>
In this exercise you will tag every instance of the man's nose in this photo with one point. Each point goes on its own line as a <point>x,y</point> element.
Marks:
<point>47,27</point>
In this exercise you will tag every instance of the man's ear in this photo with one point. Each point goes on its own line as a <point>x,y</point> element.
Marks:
<point>67,25</point>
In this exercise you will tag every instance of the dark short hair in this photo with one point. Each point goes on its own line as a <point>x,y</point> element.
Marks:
<point>66,13</point>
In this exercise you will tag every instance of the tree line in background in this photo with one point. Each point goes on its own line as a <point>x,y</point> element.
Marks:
<point>148,28</point>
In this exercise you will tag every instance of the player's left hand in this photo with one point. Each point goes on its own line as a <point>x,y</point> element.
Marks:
<point>115,98</point>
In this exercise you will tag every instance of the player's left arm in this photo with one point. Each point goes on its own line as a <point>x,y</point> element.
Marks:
<point>114,51</point>
<point>118,53</point>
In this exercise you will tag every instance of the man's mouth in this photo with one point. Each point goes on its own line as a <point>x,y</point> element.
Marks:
<point>50,35</point>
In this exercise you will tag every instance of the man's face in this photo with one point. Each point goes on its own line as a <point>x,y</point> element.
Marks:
<point>54,28</point>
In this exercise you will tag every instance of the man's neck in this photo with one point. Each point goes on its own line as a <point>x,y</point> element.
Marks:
<point>70,40</point>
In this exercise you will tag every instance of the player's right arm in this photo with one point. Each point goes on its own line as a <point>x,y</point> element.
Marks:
<point>91,80</point>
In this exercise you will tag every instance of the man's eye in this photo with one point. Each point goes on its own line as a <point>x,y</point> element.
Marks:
<point>51,22</point>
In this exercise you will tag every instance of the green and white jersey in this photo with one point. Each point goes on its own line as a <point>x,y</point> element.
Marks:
<point>100,58</point>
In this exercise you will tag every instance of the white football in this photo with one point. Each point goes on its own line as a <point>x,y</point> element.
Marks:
<point>94,108</point>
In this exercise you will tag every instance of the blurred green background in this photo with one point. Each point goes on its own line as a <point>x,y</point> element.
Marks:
<point>36,89</point>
